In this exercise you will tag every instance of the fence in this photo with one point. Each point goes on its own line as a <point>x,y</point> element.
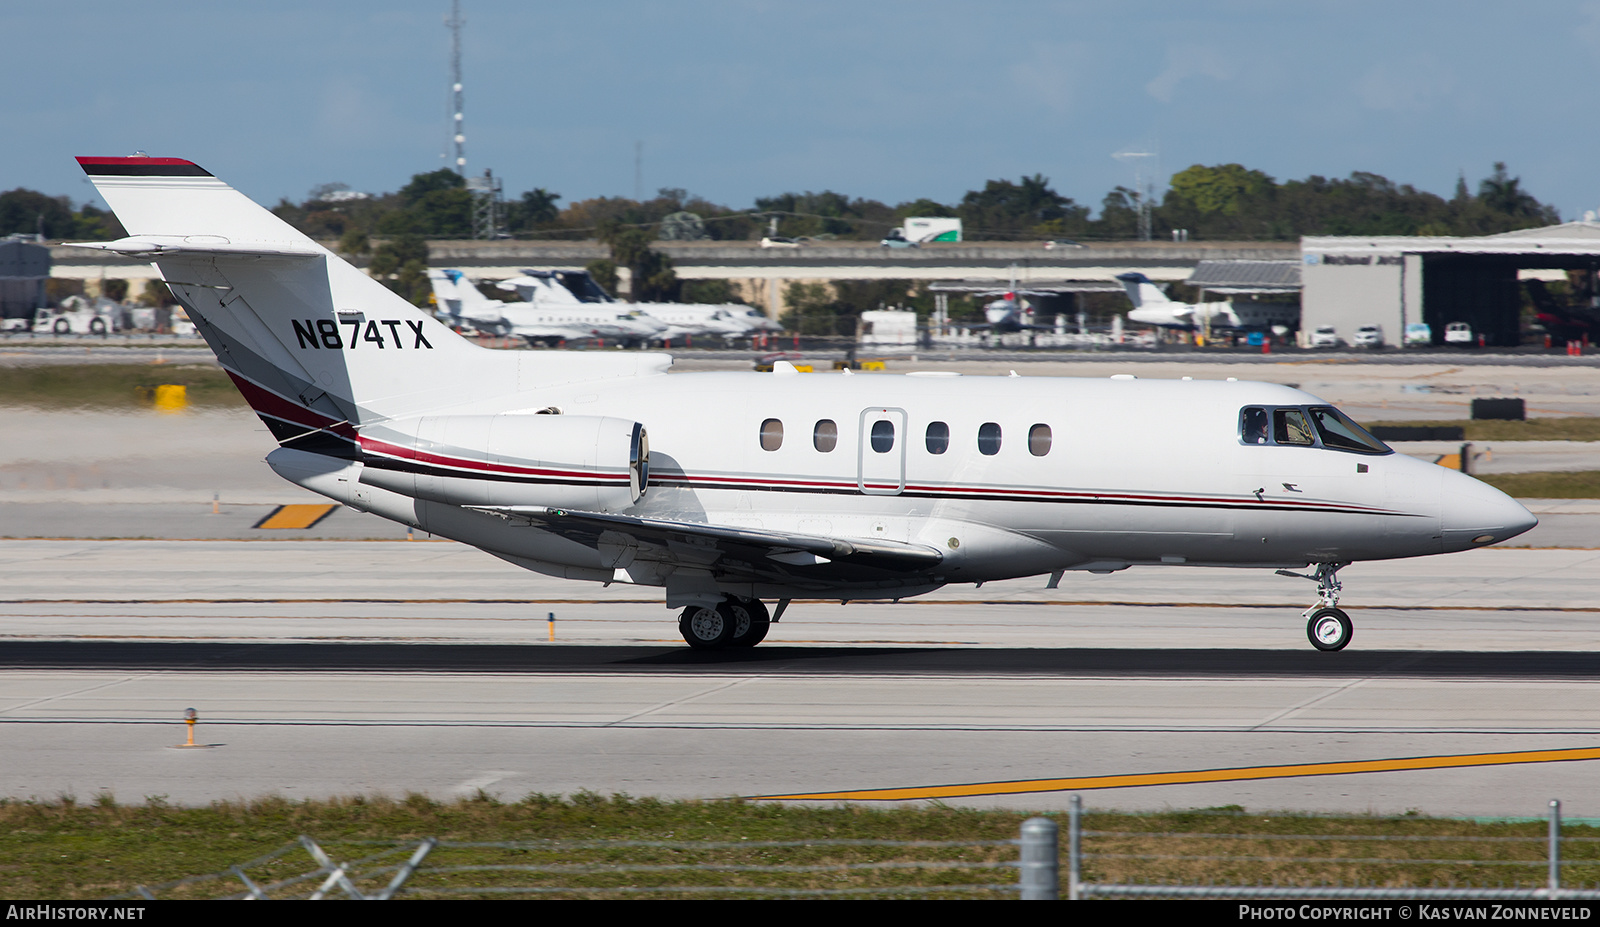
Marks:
<point>433,868</point>
<point>1371,866</point>
<point>1400,861</point>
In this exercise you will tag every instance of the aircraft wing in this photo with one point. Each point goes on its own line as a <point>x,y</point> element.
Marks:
<point>747,552</point>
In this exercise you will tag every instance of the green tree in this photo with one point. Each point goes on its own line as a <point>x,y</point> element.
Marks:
<point>535,209</point>
<point>708,291</point>
<point>402,264</point>
<point>810,309</point>
<point>604,272</point>
<point>155,293</point>
<point>31,212</point>
<point>828,215</point>
<point>653,279</point>
<point>1119,215</point>
<point>1223,189</point>
<point>354,243</point>
<point>1030,208</point>
<point>923,207</point>
<point>433,181</point>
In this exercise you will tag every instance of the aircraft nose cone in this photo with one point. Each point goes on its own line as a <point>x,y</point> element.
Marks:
<point>1476,514</point>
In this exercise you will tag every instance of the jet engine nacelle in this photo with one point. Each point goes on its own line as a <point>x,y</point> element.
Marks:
<point>585,462</point>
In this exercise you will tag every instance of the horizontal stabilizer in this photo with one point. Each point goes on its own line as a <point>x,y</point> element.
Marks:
<point>154,246</point>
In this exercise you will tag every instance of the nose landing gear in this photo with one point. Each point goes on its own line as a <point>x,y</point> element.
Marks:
<point>1327,626</point>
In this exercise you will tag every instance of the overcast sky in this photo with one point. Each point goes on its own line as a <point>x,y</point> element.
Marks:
<point>734,100</point>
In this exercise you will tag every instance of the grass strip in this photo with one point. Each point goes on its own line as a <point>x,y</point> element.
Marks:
<point>113,386</point>
<point>1576,428</point>
<point>593,846</point>
<point>1556,484</point>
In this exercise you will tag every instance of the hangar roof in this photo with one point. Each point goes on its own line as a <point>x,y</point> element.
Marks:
<point>1571,244</point>
<point>1242,277</point>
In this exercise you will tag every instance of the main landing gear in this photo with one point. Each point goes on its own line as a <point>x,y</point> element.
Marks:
<point>735,622</point>
<point>1327,626</point>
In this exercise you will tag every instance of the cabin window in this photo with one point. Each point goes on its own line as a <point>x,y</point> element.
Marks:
<point>1039,440</point>
<point>1289,426</point>
<point>883,436</point>
<point>1342,434</point>
<point>771,434</point>
<point>1253,426</point>
<point>938,437</point>
<point>825,436</point>
<point>988,439</point>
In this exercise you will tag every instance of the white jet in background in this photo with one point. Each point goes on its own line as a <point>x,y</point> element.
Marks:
<point>549,323</point>
<point>1151,306</point>
<point>576,287</point>
<point>725,489</point>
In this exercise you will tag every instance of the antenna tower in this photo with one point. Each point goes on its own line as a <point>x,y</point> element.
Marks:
<point>485,192</point>
<point>457,100</point>
<point>1145,189</point>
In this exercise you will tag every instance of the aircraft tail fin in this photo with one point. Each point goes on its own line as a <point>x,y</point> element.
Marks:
<point>461,299</point>
<point>1141,291</point>
<point>316,346</point>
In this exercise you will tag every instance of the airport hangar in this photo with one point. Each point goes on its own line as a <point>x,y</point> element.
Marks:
<point>1392,281</point>
<point>1344,281</point>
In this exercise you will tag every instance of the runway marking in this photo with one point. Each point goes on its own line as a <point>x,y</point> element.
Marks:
<point>295,516</point>
<point>1236,774</point>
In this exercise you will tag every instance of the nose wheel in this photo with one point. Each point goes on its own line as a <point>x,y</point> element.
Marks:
<point>1327,626</point>
<point>1329,629</point>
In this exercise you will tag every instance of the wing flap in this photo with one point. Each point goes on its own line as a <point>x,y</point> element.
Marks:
<point>779,547</point>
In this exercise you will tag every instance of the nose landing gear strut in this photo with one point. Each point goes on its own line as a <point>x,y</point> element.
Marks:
<point>1327,626</point>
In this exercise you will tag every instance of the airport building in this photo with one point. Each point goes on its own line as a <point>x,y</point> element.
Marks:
<point>1393,281</point>
<point>24,268</point>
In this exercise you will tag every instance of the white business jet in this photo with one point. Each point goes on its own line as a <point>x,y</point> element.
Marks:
<point>552,288</point>
<point>459,299</point>
<point>1151,306</point>
<point>770,486</point>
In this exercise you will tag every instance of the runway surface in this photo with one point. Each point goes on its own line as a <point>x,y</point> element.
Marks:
<point>323,668</point>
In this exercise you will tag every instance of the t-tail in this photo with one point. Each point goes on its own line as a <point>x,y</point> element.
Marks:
<point>464,303</point>
<point>318,348</point>
<point>1141,292</point>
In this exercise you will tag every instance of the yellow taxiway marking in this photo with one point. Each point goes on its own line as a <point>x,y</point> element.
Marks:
<point>1199,775</point>
<point>296,516</point>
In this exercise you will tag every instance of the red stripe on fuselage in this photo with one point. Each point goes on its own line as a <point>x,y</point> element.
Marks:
<point>267,402</point>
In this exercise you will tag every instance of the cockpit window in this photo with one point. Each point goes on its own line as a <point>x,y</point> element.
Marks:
<point>1342,434</point>
<point>1289,426</point>
<point>1309,426</point>
<point>1253,426</point>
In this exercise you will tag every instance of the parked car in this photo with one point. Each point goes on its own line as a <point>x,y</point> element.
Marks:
<point>1458,333</point>
<point>1368,336</point>
<point>1418,334</point>
<point>1326,336</point>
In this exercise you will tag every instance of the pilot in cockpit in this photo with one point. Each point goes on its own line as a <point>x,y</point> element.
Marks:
<point>1253,428</point>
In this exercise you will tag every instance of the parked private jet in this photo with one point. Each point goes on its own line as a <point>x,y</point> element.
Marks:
<point>727,489</point>
<point>553,288</point>
<point>459,299</point>
<point>1151,306</point>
